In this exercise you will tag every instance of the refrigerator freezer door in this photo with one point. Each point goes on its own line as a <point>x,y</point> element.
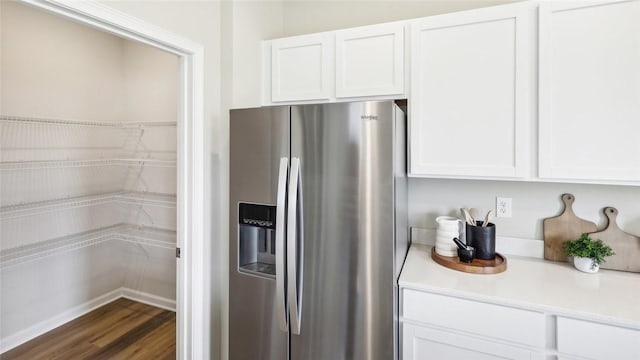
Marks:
<point>259,140</point>
<point>346,162</point>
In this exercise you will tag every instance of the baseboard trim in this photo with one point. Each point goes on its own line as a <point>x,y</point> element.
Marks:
<point>149,299</point>
<point>42,327</point>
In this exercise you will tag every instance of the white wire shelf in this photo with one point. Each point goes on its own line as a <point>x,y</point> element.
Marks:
<point>57,164</point>
<point>147,198</point>
<point>126,197</point>
<point>43,249</point>
<point>149,236</point>
<point>153,236</point>
<point>68,122</point>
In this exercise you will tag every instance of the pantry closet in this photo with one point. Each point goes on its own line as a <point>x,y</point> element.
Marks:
<point>87,172</point>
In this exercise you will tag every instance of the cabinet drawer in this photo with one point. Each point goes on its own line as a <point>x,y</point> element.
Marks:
<point>422,343</point>
<point>597,341</point>
<point>518,326</point>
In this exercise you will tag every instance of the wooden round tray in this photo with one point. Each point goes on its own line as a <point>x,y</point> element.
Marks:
<point>477,266</point>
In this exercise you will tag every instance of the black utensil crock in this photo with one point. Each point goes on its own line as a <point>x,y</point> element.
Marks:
<point>483,239</point>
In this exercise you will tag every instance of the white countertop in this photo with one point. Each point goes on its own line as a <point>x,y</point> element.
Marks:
<point>608,296</point>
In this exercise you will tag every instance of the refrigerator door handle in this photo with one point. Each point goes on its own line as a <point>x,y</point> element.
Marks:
<point>295,247</point>
<point>281,271</point>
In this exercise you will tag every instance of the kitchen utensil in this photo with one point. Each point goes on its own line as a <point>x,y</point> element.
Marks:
<point>486,218</point>
<point>466,215</point>
<point>566,226</point>
<point>467,254</point>
<point>449,227</point>
<point>625,245</point>
<point>475,213</point>
<point>460,244</point>
<point>483,239</point>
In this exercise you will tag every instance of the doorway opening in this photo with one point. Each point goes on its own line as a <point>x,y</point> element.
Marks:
<point>101,168</point>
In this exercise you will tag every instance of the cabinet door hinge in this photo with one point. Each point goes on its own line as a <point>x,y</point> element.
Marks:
<point>178,253</point>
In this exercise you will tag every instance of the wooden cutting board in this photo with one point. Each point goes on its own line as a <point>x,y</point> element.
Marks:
<point>625,245</point>
<point>566,226</point>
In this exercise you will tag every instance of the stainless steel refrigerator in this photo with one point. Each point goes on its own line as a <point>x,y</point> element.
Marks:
<point>318,231</point>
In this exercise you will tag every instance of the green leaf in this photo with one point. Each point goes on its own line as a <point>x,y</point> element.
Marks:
<point>586,247</point>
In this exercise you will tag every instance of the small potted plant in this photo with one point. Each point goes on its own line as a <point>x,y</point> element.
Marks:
<point>587,254</point>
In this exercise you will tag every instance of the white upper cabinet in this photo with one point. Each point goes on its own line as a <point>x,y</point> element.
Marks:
<point>470,88</point>
<point>301,68</point>
<point>589,118</point>
<point>472,101</point>
<point>363,62</point>
<point>370,61</point>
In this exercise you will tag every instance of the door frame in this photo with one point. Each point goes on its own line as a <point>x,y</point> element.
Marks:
<point>190,305</point>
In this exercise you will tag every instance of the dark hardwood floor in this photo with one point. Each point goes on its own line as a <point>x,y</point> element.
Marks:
<point>122,329</point>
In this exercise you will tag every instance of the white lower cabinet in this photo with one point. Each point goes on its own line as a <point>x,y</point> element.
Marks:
<point>423,343</point>
<point>443,327</point>
<point>502,323</point>
<point>609,342</point>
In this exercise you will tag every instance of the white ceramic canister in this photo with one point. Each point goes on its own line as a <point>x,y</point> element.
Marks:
<point>448,228</point>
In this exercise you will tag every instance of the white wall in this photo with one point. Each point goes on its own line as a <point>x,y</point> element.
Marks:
<point>532,202</point>
<point>151,95</point>
<point>147,96</point>
<point>30,295</point>
<point>247,23</point>
<point>309,16</point>
<point>48,77</point>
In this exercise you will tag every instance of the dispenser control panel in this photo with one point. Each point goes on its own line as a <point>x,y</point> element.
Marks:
<point>257,215</point>
<point>256,239</point>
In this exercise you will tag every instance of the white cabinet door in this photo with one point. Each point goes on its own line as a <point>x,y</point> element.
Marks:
<point>590,90</point>
<point>301,68</point>
<point>370,61</point>
<point>469,93</point>
<point>422,343</point>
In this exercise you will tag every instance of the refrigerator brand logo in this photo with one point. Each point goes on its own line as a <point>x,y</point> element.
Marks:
<point>369,117</point>
<point>257,222</point>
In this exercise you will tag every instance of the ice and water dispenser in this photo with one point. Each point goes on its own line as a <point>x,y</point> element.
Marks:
<point>257,239</point>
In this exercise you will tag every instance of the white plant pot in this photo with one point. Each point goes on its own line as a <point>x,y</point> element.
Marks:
<point>585,264</point>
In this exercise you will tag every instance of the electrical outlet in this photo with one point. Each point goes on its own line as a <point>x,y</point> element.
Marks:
<point>503,207</point>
